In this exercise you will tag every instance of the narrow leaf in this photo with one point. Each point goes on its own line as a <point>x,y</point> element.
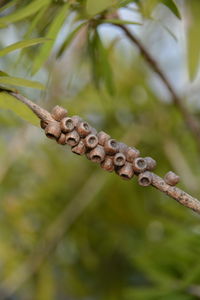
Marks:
<point>24,12</point>
<point>193,41</point>
<point>93,7</point>
<point>120,22</point>
<point>173,7</point>
<point>9,102</point>
<point>22,44</point>
<point>21,82</point>
<point>69,39</point>
<point>52,34</point>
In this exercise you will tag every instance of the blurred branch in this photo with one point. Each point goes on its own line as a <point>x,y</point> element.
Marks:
<point>156,181</point>
<point>191,122</point>
<point>53,235</point>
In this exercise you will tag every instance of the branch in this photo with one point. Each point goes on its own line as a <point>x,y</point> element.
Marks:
<point>190,120</point>
<point>111,154</point>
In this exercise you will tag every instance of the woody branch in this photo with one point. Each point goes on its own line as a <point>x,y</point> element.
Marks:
<point>110,154</point>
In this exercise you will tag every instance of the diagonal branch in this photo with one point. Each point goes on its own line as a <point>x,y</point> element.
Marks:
<point>191,122</point>
<point>144,178</point>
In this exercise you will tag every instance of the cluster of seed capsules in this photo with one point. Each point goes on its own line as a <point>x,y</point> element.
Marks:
<point>100,148</point>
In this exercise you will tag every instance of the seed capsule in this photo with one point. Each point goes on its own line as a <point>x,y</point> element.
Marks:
<point>97,154</point>
<point>76,120</point>
<point>119,159</point>
<point>139,164</point>
<point>151,163</point>
<point>108,164</point>
<point>80,149</point>
<point>83,128</point>
<point>122,147</point>
<point>58,113</point>
<point>103,138</point>
<point>132,153</point>
<point>72,138</point>
<point>62,139</point>
<point>171,178</point>
<point>126,172</point>
<point>145,179</point>
<point>52,130</point>
<point>66,125</point>
<point>91,141</point>
<point>111,146</point>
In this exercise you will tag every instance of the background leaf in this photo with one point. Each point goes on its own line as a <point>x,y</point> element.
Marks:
<point>9,102</point>
<point>24,12</point>
<point>94,7</point>
<point>22,44</point>
<point>52,34</point>
<point>21,82</point>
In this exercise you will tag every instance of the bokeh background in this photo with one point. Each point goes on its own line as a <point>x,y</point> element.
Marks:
<point>68,229</point>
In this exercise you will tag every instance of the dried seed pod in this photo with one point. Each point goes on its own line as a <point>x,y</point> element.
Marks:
<point>66,125</point>
<point>97,154</point>
<point>108,164</point>
<point>76,120</point>
<point>62,139</point>
<point>145,179</point>
<point>83,128</point>
<point>126,172</point>
<point>139,164</point>
<point>72,138</point>
<point>91,141</point>
<point>132,153</point>
<point>122,147</point>
<point>111,146</point>
<point>79,149</point>
<point>171,178</point>
<point>93,130</point>
<point>58,113</point>
<point>119,159</point>
<point>103,137</point>
<point>52,130</point>
<point>151,163</point>
<point>43,124</point>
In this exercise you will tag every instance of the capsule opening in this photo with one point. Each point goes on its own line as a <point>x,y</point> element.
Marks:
<point>125,176</point>
<point>50,136</point>
<point>71,141</point>
<point>69,124</point>
<point>141,163</point>
<point>92,140</point>
<point>86,126</point>
<point>113,144</point>
<point>96,158</point>
<point>145,181</point>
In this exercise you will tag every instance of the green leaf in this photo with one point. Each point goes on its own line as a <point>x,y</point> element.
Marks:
<point>9,102</point>
<point>22,44</point>
<point>173,7</point>
<point>193,41</point>
<point>94,7</point>
<point>35,21</point>
<point>24,12</point>
<point>102,72</point>
<point>52,34</point>
<point>8,5</point>
<point>120,22</point>
<point>69,38</point>
<point>21,82</point>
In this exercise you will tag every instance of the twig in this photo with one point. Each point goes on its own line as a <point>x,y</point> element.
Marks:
<point>156,181</point>
<point>191,122</point>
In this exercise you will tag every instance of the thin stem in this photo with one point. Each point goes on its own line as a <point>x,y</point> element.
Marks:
<point>191,122</point>
<point>173,192</point>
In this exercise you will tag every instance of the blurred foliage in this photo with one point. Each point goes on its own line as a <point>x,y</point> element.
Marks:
<point>68,236</point>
